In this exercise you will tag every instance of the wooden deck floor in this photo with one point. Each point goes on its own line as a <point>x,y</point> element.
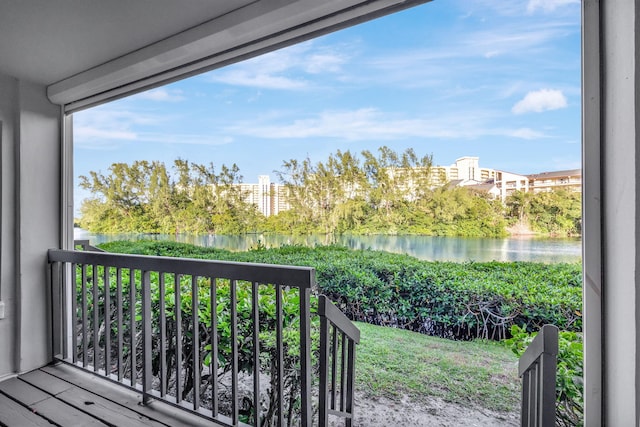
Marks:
<point>64,396</point>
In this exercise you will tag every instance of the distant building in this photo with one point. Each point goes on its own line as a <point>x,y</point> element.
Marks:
<point>466,172</point>
<point>570,180</point>
<point>465,169</point>
<point>269,197</point>
<point>508,183</point>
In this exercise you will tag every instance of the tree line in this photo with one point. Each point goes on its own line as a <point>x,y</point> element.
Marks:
<point>382,192</point>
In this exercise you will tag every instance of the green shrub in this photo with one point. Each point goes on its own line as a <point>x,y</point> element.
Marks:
<point>452,300</point>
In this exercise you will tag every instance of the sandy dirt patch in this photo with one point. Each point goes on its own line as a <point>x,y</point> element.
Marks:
<point>435,412</point>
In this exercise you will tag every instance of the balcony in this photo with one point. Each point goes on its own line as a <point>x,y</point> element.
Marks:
<point>230,343</point>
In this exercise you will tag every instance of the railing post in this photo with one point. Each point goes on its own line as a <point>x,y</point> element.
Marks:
<point>146,337</point>
<point>57,313</point>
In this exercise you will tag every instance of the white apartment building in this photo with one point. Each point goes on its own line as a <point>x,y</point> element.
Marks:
<point>465,169</point>
<point>570,180</point>
<point>269,197</point>
<point>507,183</point>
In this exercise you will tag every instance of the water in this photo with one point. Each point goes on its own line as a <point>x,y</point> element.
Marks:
<point>424,247</point>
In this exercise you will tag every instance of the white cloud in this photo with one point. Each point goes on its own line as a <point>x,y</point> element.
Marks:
<point>99,127</point>
<point>259,80</point>
<point>539,101</point>
<point>162,95</point>
<point>191,139</point>
<point>548,5</point>
<point>286,69</point>
<point>372,124</point>
<point>87,132</point>
<point>526,133</point>
<point>324,62</point>
<point>106,129</point>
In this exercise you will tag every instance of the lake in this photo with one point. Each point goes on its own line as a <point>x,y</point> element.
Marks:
<point>549,250</point>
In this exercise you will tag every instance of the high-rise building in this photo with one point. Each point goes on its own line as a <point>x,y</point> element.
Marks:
<point>269,197</point>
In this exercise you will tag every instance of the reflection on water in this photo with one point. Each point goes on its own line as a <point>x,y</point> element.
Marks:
<point>423,247</point>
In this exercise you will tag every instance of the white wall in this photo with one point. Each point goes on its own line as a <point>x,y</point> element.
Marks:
<point>8,116</point>
<point>620,169</point>
<point>39,220</point>
<point>30,221</point>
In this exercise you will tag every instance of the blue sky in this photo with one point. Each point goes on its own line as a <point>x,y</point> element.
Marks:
<point>489,78</point>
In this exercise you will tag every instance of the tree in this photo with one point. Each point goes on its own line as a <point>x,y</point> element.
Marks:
<point>143,197</point>
<point>554,212</point>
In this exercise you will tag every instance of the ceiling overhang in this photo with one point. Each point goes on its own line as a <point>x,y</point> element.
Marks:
<point>256,28</point>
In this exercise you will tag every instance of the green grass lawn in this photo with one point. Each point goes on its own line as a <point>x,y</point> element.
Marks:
<point>394,362</point>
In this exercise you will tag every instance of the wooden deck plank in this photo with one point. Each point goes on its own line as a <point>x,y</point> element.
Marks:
<point>23,392</point>
<point>163,413</point>
<point>99,407</point>
<point>46,405</point>
<point>65,415</point>
<point>14,414</point>
<point>46,382</point>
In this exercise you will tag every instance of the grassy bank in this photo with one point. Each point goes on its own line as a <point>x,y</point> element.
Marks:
<point>393,363</point>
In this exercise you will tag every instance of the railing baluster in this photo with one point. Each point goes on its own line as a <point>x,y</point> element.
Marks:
<point>234,352</point>
<point>334,363</point>
<point>196,342</point>
<point>533,400</point>
<point>132,325</point>
<point>85,318</point>
<point>214,347</point>
<point>120,331</point>
<point>256,353</point>
<point>163,336</point>
<point>343,373</point>
<point>305,356</point>
<point>74,313</point>
<point>146,336</point>
<point>323,412</point>
<point>526,396</point>
<point>178,313</point>
<point>107,320</point>
<point>96,318</point>
<point>279,355</point>
<point>351,370</point>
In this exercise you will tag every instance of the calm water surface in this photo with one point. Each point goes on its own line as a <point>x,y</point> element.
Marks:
<point>423,247</point>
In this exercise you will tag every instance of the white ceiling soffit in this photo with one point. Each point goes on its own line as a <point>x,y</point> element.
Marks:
<point>258,28</point>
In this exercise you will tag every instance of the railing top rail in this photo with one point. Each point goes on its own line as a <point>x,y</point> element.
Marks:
<point>330,311</point>
<point>301,277</point>
<point>545,342</point>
